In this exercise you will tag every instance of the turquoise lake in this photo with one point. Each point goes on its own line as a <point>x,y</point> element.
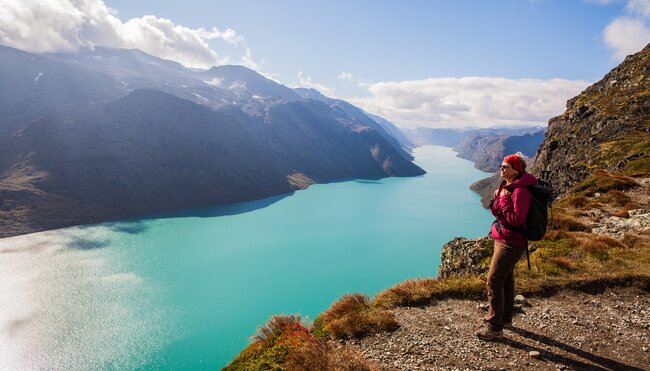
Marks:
<point>188,289</point>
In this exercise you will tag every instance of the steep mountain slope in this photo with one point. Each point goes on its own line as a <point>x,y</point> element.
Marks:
<point>81,144</point>
<point>605,127</point>
<point>385,128</point>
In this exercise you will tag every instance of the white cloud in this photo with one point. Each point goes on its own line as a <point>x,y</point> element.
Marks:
<point>469,101</point>
<point>306,82</point>
<point>66,25</point>
<point>628,33</point>
<point>626,36</point>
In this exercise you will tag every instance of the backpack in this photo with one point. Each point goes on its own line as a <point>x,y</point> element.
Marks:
<point>537,218</point>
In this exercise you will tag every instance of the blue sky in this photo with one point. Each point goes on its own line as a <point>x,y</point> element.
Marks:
<point>418,63</point>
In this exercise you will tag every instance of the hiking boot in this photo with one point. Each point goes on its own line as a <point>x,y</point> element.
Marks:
<point>507,326</point>
<point>487,334</point>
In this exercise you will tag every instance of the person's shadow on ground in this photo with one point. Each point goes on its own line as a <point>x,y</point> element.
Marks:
<point>598,362</point>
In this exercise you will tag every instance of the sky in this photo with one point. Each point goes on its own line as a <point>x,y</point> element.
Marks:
<point>430,63</point>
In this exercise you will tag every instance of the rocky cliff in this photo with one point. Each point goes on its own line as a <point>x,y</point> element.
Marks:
<point>605,127</point>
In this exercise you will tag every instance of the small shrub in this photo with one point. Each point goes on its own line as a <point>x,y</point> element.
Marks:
<point>273,344</point>
<point>353,316</point>
<point>277,325</point>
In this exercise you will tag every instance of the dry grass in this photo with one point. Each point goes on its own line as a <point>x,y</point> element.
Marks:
<point>602,181</point>
<point>639,240</point>
<point>564,262</point>
<point>413,292</point>
<point>354,316</point>
<point>326,357</point>
<point>556,234</point>
<point>567,223</point>
<point>416,292</point>
<point>278,324</point>
<point>578,202</point>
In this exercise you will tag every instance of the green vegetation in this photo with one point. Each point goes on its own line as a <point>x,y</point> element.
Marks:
<point>285,343</point>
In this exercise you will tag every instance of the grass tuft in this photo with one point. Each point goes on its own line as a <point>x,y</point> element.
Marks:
<point>353,316</point>
<point>272,344</point>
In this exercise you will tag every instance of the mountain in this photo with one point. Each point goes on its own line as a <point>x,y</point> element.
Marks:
<point>605,127</point>
<point>485,147</point>
<point>241,79</point>
<point>384,127</point>
<point>109,133</point>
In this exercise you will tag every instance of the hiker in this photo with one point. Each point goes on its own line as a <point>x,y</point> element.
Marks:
<point>510,205</point>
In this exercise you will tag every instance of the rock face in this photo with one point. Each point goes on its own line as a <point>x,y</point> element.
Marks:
<point>604,127</point>
<point>465,257</point>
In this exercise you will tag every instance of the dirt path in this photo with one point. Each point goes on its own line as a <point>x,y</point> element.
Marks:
<point>607,330</point>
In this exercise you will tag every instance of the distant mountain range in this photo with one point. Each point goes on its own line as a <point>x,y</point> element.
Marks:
<point>110,133</point>
<point>486,147</point>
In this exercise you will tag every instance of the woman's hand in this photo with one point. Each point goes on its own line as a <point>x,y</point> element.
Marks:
<point>504,192</point>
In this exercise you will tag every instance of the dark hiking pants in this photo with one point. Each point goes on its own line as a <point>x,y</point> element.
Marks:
<point>501,285</point>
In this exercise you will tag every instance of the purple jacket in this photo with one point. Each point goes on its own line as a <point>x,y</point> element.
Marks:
<point>512,210</point>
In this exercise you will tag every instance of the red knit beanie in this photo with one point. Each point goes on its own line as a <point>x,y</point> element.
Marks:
<point>515,162</point>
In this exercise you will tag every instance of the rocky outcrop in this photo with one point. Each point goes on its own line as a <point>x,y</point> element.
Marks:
<point>465,257</point>
<point>615,226</point>
<point>602,128</point>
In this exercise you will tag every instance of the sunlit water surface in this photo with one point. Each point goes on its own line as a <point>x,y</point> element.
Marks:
<point>188,289</point>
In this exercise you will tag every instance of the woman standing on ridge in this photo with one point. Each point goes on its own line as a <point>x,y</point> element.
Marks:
<point>510,206</point>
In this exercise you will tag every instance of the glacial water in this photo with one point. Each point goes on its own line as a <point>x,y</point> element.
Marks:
<point>188,289</point>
